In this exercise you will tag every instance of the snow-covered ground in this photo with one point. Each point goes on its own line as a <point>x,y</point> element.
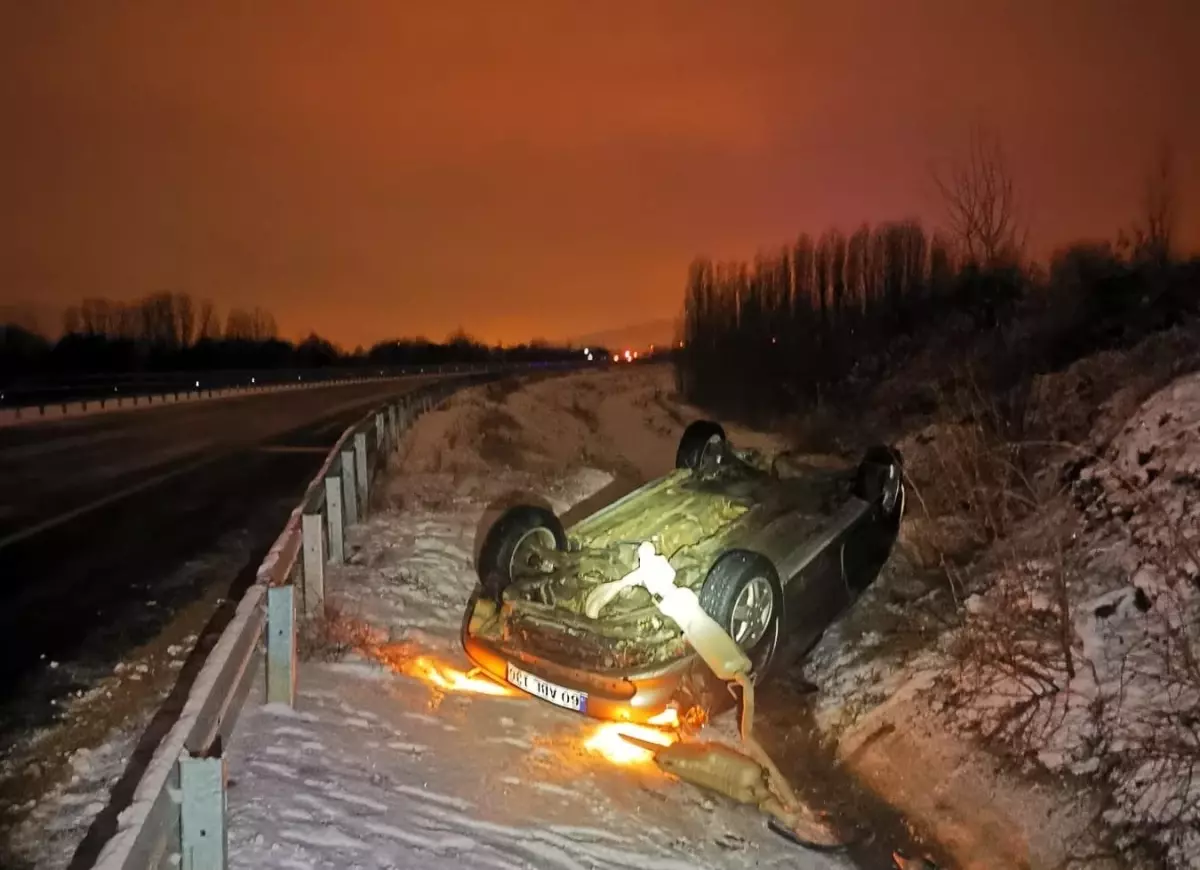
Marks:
<point>1078,652</point>
<point>109,718</point>
<point>57,822</point>
<point>1127,703</point>
<point>378,767</point>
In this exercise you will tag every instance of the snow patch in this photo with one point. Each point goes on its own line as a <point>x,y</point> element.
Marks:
<point>157,774</point>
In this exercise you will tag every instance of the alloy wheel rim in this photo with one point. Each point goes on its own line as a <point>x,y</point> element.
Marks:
<point>523,554</point>
<point>752,611</point>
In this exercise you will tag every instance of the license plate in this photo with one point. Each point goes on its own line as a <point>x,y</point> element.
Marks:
<point>568,698</point>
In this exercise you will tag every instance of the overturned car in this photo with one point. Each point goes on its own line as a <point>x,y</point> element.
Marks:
<point>773,554</point>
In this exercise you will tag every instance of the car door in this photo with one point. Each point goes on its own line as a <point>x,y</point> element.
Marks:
<point>816,595</point>
<point>806,552</point>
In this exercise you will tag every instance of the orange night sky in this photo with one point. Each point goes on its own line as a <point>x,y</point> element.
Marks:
<point>374,169</point>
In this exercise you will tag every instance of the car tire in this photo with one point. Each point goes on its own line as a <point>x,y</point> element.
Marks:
<point>733,594</point>
<point>880,480</point>
<point>504,541</point>
<point>692,442</point>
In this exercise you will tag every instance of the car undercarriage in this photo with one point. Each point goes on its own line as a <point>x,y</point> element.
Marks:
<point>564,599</point>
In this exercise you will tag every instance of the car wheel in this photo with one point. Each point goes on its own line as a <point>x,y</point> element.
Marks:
<point>511,546</point>
<point>743,594</point>
<point>880,480</point>
<point>693,441</point>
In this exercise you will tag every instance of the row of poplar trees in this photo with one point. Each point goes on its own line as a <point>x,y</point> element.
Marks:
<point>798,323</point>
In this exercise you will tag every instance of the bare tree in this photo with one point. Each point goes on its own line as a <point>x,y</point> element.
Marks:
<point>877,268</point>
<point>803,280</point>
<point>185,318</point>
<point>257,324</point>
<point>941,263</point>
<point>158,325</point>
<point>96,317</point>
<point>71,320</point>
<point>857,251</point>
<point>1154,235</point>
<point>127,321</point>
<point>262,325</point>
<point>239,325</point>
<point>980,200</point>
<point>206,322</point>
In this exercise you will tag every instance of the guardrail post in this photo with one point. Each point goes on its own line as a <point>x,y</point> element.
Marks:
<point>349,489</point>
<point>202,824</point>
<point>314,561</point>
<point>380,431</point>
<point>360,459</point>
<point>337,523</point>
<point>281,645</point>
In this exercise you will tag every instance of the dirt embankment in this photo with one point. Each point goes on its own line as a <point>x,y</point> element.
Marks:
<point>625,421</point>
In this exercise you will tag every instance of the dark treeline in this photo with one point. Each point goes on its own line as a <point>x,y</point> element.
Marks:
<point>172,332</point>
<point>825,319</point>
<point>461,348</point>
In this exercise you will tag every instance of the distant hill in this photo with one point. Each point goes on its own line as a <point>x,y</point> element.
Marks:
<point>637,336</point>
<point>32,315</point>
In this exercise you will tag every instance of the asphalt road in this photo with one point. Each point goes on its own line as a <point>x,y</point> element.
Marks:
<point>107,523</point>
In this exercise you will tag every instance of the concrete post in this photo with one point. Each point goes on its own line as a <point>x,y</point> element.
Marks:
<point>281,645</point>
<point>203,830</point>
<point>360,468</point>
<point>313,529</point>
<point>380,432</point>
<point>335,519</point>
<point>349,488</point>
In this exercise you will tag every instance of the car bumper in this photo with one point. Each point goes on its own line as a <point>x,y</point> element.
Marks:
<point>627,697</point>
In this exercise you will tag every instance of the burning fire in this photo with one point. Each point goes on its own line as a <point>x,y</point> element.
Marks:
<point>668,718</point>
<point>401,659</point>
<point>607,740</point>
<point>453,680</point>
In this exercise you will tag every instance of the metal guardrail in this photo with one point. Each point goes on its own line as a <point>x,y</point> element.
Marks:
<point>177,815</point>
<point>34,391</point>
